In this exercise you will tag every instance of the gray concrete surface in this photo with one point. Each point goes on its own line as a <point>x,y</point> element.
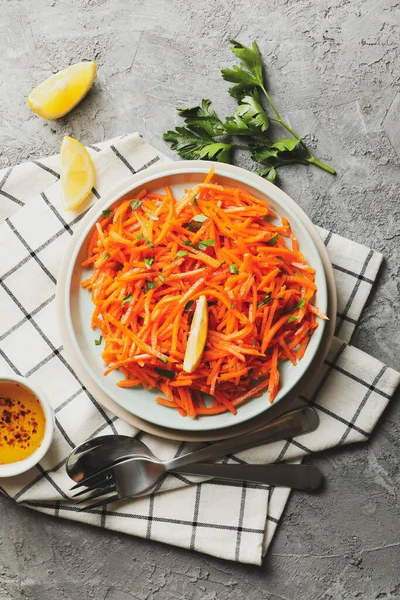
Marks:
<point>334,70</point>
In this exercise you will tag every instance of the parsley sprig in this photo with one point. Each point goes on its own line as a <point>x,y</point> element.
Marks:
<point>206,136</point>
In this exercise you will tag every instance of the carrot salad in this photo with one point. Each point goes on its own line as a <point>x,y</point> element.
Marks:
<point>153,256</point>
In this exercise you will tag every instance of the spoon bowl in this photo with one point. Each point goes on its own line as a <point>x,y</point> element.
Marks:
<point>97,453</point>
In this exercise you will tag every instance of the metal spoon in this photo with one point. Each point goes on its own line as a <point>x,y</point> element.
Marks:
<point>98,453</point>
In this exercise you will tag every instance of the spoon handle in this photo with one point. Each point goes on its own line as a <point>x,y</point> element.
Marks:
<point>296,422</point>
<point>299,477</point>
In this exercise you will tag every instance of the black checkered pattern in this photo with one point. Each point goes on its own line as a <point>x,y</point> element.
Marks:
<point>349,394</point>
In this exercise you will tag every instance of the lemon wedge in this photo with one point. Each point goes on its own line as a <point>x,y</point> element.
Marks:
<point>77,173</point>
<point>61,92</point>
<point>197,336</point>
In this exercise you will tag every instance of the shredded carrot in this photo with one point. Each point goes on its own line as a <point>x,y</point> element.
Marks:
<point>154,256</point>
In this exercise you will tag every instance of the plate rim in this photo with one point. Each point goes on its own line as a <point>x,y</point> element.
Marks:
<point>118,191</point>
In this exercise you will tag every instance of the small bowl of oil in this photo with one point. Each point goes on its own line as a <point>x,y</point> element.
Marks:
<point>26,425</point>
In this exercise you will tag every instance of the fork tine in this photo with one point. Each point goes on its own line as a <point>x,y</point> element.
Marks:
<point>101,482</point>
<point>97,479</point>
<point>101,503</point>
<point>96,494</point>
<point>86,490</point>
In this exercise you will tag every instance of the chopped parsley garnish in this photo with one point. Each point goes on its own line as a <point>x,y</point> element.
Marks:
<point>135,204</point>
<point>106,256</point>
<point>292,318</point>
<point>273,240</point>
<point>187,243</point>
<point>301,304</point>
<point>233,269</point>
<point>165,373</point>
<point>98,342</point>
<point>203,244</point>
<point>164,359</point>
<point>182,253</point>
<point>266,300</point>
<point>107,213</point>
<point>149,285</point>
<point>161,278</point>
<point>127,298</point>
<point>141,237</point>
<point>148,261</point>
<point>188,304</point>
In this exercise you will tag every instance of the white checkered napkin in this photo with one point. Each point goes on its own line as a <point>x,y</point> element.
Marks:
<point>226,519</point>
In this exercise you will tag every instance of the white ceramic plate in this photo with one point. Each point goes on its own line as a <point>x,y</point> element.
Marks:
<point>75,306</point>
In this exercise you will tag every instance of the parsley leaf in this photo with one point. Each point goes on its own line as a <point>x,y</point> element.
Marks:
<point>135,204</point>
<point>188,304</point>
<point>106,257</point>
<point>218,151</point>
<point>107,213</point>
<point>182,253</point>
<point>164,359</point>
<point>292,318</point>
<point>249,118</point>
<point>148,261</point>
<point>250,72</point>
<point>149,285</point>
<point>203,244</point>
<point>234,269</point>
<point>273,241</point>
<point>161,278</point>
<point>127,298</point>
<point>203,117</point>
<point>141,237</point>
<point>266,300</point>
<point>285,144</point>
<point>269,173</point>
<point>165,373</point>
<point>197,145</point>
<point>98,342</point>
<point>301,304</point>
<point>281,152</point>
<point>187,243</point>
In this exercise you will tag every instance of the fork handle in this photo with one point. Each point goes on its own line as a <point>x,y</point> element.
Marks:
<point>299,477</point>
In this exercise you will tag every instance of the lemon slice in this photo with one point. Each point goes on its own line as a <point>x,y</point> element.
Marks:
<point>61,92</point>
<point>197,336</point>
<point>77,173</point>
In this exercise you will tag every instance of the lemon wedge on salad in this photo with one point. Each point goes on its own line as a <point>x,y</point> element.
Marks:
<point>77,173</point>
<point>61,92</point>
<point>197,336</point>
